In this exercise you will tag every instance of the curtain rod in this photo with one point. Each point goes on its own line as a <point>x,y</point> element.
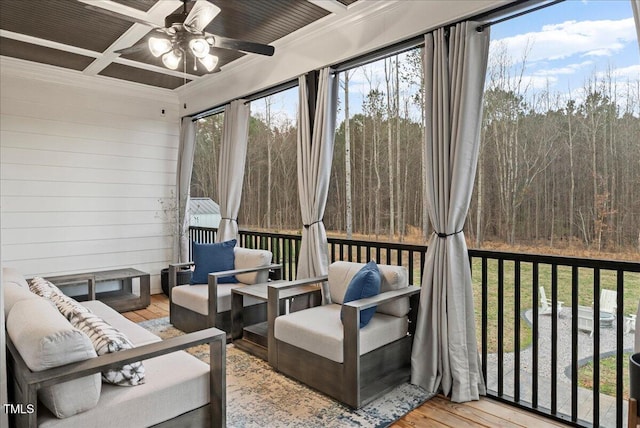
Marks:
<point>516,15</point>
<point>251,97</point>
<point>418,41</point>
<point>399,47</point>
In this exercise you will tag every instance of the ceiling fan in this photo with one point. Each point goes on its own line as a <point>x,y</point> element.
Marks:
<point>185,33</point>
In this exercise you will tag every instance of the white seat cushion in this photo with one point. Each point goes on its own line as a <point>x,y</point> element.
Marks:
<point>320,331</point>
<point>136,334</point>
<point>195,297</point>
<point>175,384</point>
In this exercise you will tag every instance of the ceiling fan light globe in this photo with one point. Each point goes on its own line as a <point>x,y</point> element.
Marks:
<point>159,46</point>
<point>172,59</point>
<point>199,47</point>
<point>209,62</point>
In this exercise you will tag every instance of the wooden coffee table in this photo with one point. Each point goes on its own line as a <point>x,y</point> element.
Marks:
<point>253,338</point>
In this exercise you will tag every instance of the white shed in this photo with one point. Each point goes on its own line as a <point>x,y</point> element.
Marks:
<point>204,212</point>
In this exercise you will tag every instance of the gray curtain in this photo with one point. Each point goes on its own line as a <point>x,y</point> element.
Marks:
<point>233,154</point>
<point>635,6</point>
<point>315,153</point>
<point>183,185</point>
<point>445,351</point>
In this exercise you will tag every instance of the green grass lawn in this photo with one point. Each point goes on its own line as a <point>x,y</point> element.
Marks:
<point>608,280</point>
<point>607,376</point>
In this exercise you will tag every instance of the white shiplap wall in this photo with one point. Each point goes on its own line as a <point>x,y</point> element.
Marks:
<point>83,170</point>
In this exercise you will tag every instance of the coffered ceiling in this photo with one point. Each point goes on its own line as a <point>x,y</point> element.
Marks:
<point>82,36</point>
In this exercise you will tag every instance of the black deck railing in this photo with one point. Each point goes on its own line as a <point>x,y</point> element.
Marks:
<point>506,291</point>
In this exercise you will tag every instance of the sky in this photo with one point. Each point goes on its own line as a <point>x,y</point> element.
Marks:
<point>569,43</point>
<point>566,46</point>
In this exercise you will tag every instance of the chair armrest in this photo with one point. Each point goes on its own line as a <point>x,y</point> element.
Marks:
<point>179,265</point>
<point>351,321</point>
<point>29,382</point>
<point>298,282</point>
<point>212,283</point>
<point>232,272</point>
<point>273,309</point>
<point>387,296</point>
<point>173,274</point>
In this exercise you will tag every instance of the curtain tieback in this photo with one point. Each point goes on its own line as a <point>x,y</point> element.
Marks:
<point>307,226</point>
<point>445,235</point>
<point>230,219</point>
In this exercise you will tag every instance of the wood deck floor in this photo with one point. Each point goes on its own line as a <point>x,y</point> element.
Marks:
<point>435,413</point>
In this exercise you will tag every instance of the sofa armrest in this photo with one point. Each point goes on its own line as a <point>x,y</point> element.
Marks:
<point>29,382</point>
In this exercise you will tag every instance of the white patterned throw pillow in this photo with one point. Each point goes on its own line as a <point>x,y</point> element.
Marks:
<point>65,304</point>
<point>43,288</point>
<point>108,339</point>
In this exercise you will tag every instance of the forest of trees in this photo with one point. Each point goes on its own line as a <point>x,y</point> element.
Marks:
<point>551,168</point>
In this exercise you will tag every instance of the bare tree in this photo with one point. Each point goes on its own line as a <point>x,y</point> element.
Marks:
<point>347,157</point>
<point>389,79</point>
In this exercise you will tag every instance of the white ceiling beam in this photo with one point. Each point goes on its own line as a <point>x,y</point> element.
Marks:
<point>133,35</point>
<point>48,43</point>
<point>157,69</point>
<point>128,38</point>
<point>135,13</point>
<point>333,6</point>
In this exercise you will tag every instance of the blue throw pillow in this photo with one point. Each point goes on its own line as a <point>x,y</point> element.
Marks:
<point>213,258</point>
<point>365,283</point>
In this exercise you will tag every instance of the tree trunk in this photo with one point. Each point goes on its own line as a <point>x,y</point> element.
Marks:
<point>347,157</point>
<point>399,198</point>
<point>390,164</point>
<point>269,136</point>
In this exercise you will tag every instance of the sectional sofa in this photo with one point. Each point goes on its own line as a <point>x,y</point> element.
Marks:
<point>56,376</point>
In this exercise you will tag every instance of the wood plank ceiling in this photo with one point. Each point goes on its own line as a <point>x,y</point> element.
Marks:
<point>67,34</point>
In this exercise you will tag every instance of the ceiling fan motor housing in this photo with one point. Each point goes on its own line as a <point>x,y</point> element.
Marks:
<point>175,18</point>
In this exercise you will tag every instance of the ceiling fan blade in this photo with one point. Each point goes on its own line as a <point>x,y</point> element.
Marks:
<point>241,45</point>
<point>142,45</point>
<point>201,14</point>
<point>119,15</point>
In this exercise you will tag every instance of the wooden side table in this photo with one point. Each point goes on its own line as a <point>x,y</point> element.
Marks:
<point>254,338</point>
<point>122,300</point>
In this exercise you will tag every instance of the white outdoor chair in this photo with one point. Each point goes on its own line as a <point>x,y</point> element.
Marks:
<point>585,319</point>
<point>630,323</point>
<point>609,301</point>
<point>545,304</point>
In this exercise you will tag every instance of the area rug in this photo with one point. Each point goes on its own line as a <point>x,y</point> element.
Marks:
<point>258,396</point>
